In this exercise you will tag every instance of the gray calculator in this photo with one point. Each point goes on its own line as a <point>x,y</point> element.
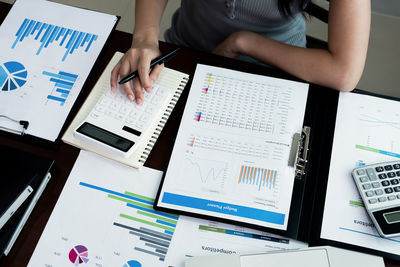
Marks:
<point>379,187</point>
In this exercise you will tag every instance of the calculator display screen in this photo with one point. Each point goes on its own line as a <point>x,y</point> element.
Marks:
<point>105,137</point>
<point>392,217</point>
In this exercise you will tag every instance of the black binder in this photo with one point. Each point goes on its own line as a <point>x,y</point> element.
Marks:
<point>319,174</point>
<point>311,168</point>
<point>18,170</point>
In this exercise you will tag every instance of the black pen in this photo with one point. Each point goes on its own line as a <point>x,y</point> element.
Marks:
<point>158,60</point>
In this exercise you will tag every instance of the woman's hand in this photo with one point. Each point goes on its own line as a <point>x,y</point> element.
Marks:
<point>138,57</point>
<point>232,46</point>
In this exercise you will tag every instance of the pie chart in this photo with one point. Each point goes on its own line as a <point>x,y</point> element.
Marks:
<point>78,255</point>
<point>12,75</point>
<point>132,263</point>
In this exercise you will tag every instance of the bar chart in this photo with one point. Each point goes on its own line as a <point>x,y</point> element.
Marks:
<point>48,34</point>
<point>258,177</point>
<point>63,83</point>
<point>152,230</point>
<point>105,216</point>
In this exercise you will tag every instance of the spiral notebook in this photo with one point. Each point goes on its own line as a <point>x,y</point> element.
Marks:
<point>173,80</point>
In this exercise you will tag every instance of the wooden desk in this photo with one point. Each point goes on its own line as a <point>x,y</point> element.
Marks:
<point>65,155</point>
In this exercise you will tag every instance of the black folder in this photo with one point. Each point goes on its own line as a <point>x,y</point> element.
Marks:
<point>312,168</point>
<point>18,170</point>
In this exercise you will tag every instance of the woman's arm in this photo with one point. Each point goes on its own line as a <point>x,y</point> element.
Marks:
<point>340,67</point>
<point>144,48</point>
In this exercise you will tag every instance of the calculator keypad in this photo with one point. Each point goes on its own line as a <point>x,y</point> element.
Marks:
<point>379,184</point>
<point>116,106</point>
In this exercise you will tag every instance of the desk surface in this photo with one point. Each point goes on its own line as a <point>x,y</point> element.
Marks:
<point>65,155</point>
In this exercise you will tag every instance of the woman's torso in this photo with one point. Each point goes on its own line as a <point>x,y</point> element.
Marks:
<point>203,24</point>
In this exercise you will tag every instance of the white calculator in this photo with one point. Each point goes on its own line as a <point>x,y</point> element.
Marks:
<point>379,187</point>
<point>116,124</point>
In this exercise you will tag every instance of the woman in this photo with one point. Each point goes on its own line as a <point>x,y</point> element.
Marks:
<point>269,31</point>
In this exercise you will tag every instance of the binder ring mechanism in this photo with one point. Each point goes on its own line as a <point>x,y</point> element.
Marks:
<point>23,123</point>
<point>303,141</point>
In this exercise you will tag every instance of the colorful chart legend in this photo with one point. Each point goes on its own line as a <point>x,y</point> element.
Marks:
<point>153,228</point>
<point>63,83</point>
<point>78,255</point>
<point>47,34</point>
<point>191,141</point>
<point>263,178</point>
<point>243,234</point>
<point>12,75</point>
<point>197,116</point>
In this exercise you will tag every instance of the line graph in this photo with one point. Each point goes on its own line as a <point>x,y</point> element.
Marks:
<point>206,172</point>
<point>371,121</point>
<point>379,131</point>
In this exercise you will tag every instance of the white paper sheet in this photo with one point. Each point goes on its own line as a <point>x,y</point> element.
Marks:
<point>309,258</point>
<point>367,131</point>
<point>324,256</point>
<point>104,217</point>
<point>196,237</point>
<point>47,51</point>
<point>313,257</point>
<point>230,158</point>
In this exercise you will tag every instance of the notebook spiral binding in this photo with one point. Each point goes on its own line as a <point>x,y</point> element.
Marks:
<point>163,120</point>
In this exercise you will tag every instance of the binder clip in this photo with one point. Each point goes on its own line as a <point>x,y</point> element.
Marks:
<point>302,151</point>
<point>23,123</point>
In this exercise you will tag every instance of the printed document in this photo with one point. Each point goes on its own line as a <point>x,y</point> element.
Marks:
<point>367,131</point>
<point>230,158</point>
<point>105,217</point>
<point>214,238</point>
<point>325,256</point>
<point>47,51</point>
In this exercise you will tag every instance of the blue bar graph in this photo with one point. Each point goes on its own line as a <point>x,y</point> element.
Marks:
<point>152,211</point>
<point>166,223</point>
<point>60,81</point>
<point>48,34</point>
<point>168,232</point>
<point>64,92</point>
<point>262,178</point>
<point>151,230</point>
<point>63,83</point>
